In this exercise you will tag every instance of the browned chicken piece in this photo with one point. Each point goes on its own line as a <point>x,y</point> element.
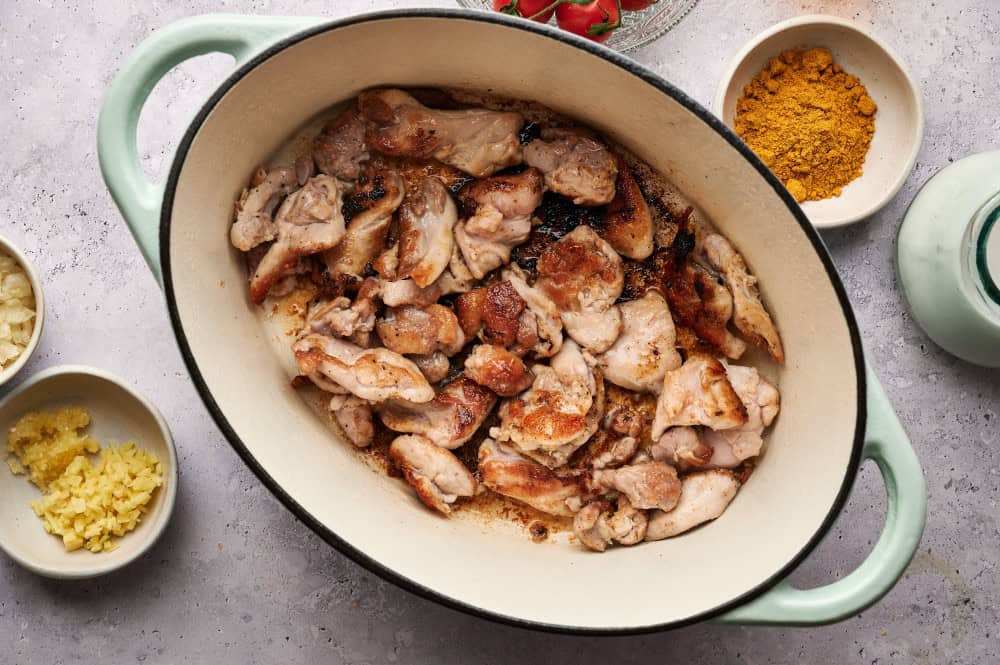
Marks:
<point>605,450</point>
<point>600,524</point>
<point>500,209</point>
<point>505,471</point>
<point>558,413</point>
<point>426,221</point>
<point>498,369</point>
<point>420,330</point>
<point>575,165</point>
<point>646,484</point>
<point>644,352</point>
<point>309,221</point>
<point>372,374</point>
<point>583,276</point>
<point>761,399</point>
<point>354,415</point>
<point>698,393</point>
<point>434,366</point>
<point>628,412</point>
<point>342,318</point>
<point>682,448</point>
<point>449,420</point>
<point>378,195</point>
<point>254,209</point>
<point>629,227</point>
<point>477,141</point>
<point>750,317</point>
<point>492,312</point>
<point>539,325</point>
<point>704,496</point>
<point>340,147</point>
<point>413,172</point>
<point>438,477</point>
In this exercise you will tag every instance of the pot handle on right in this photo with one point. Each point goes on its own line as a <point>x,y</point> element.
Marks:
<point>888,446</point>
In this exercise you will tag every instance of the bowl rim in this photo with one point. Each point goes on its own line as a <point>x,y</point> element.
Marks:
<point>8,246</point>
<point>169,489</point>
<point>726,80</point>
<point>628,66</point>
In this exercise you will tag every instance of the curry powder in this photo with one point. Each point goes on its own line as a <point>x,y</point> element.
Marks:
<point>809,121</point>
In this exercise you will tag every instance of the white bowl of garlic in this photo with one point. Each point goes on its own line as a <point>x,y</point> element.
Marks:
<point>22,310</point>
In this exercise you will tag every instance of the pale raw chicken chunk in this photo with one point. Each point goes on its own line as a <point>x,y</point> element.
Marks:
<point>704,496</point>
<point>575,165</point>
<point>502,219</point>
<point>644,352</point>
<point>309,221</point>
<point>682,447</point>
<point>698,393</point>
<point>762,401</point>
<point>506,472</point>
<point>426,220</point>
<point>372,374</point>
<point>449,420</point>
<point>477,141</point>
<point>438,477</point>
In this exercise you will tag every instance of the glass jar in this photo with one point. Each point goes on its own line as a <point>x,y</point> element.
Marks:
<point>948,256</point>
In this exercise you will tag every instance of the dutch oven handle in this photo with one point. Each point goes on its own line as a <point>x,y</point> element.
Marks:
<point>888,446</point>
<point>138,198</point>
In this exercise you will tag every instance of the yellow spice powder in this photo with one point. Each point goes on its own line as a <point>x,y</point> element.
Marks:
<point>809,121</point>
<point>86,504</point>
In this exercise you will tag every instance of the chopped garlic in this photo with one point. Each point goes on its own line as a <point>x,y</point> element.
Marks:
<point>17,310</point>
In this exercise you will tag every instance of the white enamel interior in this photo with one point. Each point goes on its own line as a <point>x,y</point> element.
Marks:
<point>488,567</point>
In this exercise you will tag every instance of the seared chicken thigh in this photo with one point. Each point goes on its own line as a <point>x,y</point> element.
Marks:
<point>682,447</point>
<point>575,165</point>
<point>449,420</point>
<point>422,331</point>
<point>426,221</point>
<point>629,227</point>
<point>501,219</point>
<point>644,352</point>
<point>434,366</point>
<point>646,484</point>
<point>372,374</point>
<point>343,318</point>
<point>698,393</point>
<point>309,221</point>
<point>539,324</point>
<point>761,400</point>
<point>255,207</point>
<point>354,415</point>
<point>599,524</point>
<point>340,147</point>
<point>366,233</point>
<point>498,369</point>
<point>506,472</point>
<point>477,141</point>
<point>438,477</point>
<point>704,495</point>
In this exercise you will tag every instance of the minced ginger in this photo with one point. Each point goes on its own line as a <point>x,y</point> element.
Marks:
<point>809,121</point>
<point>87,504</point>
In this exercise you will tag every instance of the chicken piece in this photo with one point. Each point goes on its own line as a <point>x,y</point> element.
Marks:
<point>372,374</point>
<point>434,366</point>
<point>497,369</point>
<point>378,195</point>
<point>342,318</point>
<point>629,227</point>
<point>575,165</point>
<point>493,312</point>
<point>583,276</point>
<point>644,352</point>
<point>750,317</point>
<point>426,221</point>
<point>629,413</point>
<point>605,450</point>
<point>449,420</point>
<point>477,141</point>
<point>762,401</point>
<point>539,325</point>
<point>558,413</point>
<point>646,484</point>
<point>411,329</point>
<point>501,219</point>
<point>704,496</point>
<point>354,415</point>
<point>309,221</point>
<point>682,448</point>
<point>255,207</point>
<point>340,147</point>
<point>698,393</point>
<point>599,524</point>
<point>503,470</point>
<point>436,474</point>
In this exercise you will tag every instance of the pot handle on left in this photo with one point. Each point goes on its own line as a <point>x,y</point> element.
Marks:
<point>906,497</point>
<point>138,198</point>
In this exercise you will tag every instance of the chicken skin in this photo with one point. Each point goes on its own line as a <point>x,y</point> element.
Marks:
<point>426,221</point>
<point>698,393</point>
<point>505,471</point>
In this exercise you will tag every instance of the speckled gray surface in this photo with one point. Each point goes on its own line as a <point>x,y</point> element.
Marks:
<point>211,590</point>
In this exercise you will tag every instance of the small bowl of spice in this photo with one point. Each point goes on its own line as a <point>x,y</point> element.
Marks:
<point>831,110</point>
<point>91,473</point>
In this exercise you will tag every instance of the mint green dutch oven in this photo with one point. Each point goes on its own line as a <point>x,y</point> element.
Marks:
<point>834,413</point>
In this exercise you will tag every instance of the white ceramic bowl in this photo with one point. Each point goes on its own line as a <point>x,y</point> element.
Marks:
<point>118,413</point>
<point>899,124</point>
<point>7,373</point>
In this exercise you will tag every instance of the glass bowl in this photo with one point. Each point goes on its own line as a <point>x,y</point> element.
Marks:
<point>638,28</point>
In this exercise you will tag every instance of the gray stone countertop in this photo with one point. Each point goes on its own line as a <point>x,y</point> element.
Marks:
<point>209,593</point>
